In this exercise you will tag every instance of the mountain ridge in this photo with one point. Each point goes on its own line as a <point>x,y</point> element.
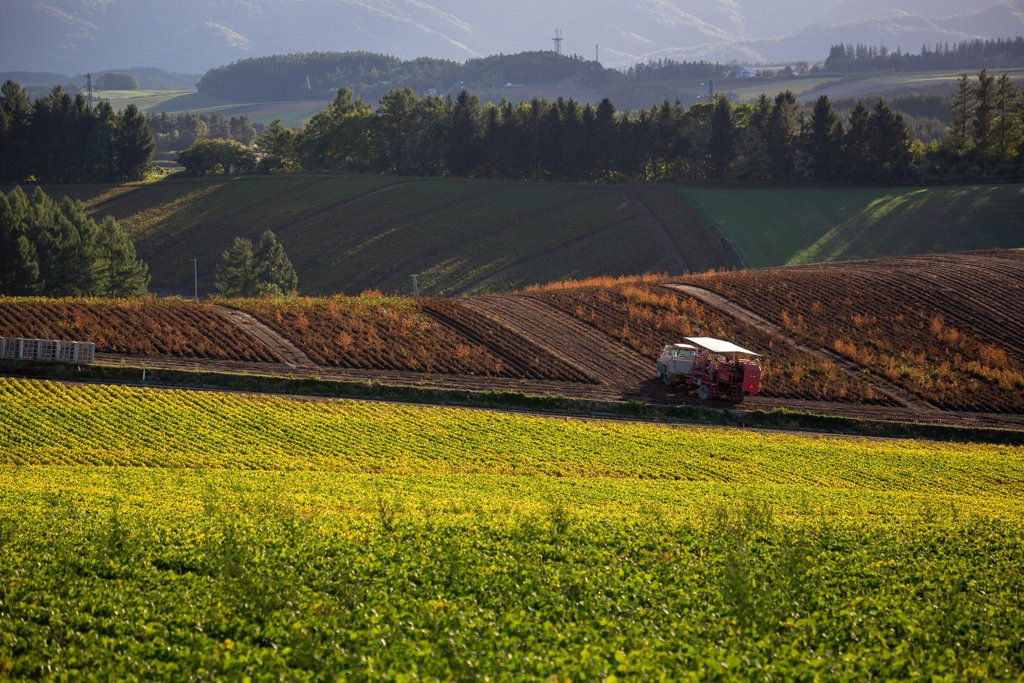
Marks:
<point>193,36</point>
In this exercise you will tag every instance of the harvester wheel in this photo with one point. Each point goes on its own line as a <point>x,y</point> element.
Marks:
<point>704,392</point>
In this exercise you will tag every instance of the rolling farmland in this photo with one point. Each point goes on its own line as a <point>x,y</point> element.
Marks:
<point>160,534</point>
<point>891,339</point>
<point>774,227</point>
<point>352,233</point>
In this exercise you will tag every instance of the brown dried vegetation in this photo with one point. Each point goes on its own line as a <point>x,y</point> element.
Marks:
<point>149,327</point>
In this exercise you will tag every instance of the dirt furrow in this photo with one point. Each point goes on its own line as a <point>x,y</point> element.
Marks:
<point>573,342</point>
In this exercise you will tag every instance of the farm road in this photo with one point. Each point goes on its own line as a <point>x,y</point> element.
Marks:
<point>347,202</point>
<point>660,233</point>
<point>904,399</point>
<point>289,354</point>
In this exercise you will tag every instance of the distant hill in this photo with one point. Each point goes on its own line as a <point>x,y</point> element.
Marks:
<point>76,36</point>
<point>150,78</point>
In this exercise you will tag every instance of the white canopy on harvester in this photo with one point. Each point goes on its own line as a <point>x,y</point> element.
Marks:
<point>719,346</point>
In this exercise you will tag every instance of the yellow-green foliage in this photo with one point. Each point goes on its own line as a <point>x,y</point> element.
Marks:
<point>174,535</point>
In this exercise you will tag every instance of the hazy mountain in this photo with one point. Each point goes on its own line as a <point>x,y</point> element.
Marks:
<point>194,35</point>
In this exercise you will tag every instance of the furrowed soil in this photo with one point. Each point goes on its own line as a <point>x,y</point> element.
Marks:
<point>930,339</point>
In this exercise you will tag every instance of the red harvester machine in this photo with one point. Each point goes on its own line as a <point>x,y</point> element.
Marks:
<point>716,368</point>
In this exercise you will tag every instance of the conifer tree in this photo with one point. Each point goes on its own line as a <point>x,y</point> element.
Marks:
<point>19,267</point>
<point>118,272</point>
<point>274,272</point>
<point>265,271</point>
<point>237,277</point>
<point>824,144</point>
<point>135,144</point>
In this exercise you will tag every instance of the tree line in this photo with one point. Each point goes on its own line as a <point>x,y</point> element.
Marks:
<point>61,139</point>
<point>771,140</point>
<point>998,53</point>
<point>174,132</point>
<point>54,249</point>
<point>319,75</point>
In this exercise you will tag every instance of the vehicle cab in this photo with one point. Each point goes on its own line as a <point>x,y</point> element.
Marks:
<point>676,359</point>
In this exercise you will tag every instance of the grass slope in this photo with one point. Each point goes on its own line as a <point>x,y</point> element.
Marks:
<point>292,114</point>
<point>775,227</point>
<point>188,534</point>
<point>452,232</point>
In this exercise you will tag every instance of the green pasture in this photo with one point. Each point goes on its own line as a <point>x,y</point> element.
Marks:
<point>292,114</point>
<point>776,227</point>
<point>772,87</point>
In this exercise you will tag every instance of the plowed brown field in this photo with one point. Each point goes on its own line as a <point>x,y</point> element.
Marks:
<point>932,339</point>
<point>147,327</point>
<point>946,328</point>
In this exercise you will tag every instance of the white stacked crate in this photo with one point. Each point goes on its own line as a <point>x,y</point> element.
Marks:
<point>18,348</point>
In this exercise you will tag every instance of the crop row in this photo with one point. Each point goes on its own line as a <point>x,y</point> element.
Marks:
<point>389,333</point>
<point>54,424</point>
<point>535,361</point>
<point>645,317</point>
<point>166,535</point>
<point>884,323</point>
<point>149,327</point>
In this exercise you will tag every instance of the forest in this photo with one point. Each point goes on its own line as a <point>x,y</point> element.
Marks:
<point>61,139</point>
<point>318,75</point>
<point>771,140</point>
<point>965,55</point>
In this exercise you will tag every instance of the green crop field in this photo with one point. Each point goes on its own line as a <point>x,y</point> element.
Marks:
<point>750,90</point>
<point>163,535</point>
<point>774,227</point>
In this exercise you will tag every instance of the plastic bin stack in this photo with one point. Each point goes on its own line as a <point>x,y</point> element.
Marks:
<point>18,348</point>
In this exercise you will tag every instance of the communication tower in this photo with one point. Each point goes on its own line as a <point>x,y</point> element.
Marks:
<point>88,87</point>
<point>558,41</point>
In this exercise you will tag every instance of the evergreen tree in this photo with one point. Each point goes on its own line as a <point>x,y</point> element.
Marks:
<point>119,272</point>
<point>889,149</point>
<point>273,270</point>
<point>135,145</point>
<point>101,145</point>
<point>962,110</point>
<point>723,132</point>
<point>242,130</point>
<point>237,277</point>
<point>856,150</point>
<point>984,119</point>
<point>15,140</point>
<point>277,144</point>
<point>825,140</point>
<point>65,241</point>
<point>464,134</point>
<point>783,127</point>
<point>267,271</point>
<point>19,267</point>
<point>1009,122</point>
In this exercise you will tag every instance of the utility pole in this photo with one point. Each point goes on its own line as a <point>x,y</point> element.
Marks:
<point>195,271</point>
<point>415,285</point>
<point>597,55</point>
